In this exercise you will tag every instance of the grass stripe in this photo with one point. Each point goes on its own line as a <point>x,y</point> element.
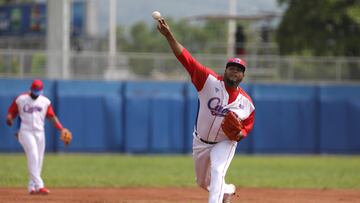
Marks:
<point>118,170</point>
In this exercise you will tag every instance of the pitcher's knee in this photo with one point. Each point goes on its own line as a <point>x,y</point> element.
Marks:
<point>202,184</point>
<point>217,172</point>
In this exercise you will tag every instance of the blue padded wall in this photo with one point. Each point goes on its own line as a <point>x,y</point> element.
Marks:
<point>158,117</point>
<point>285,118</point>
<point>154,117</point>
<point>191,110</point>
<point>92,110</point>
<point>339,119</point>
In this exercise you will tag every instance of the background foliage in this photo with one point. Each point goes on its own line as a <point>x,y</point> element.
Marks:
<point>195,37</point>
<point>320,28</point>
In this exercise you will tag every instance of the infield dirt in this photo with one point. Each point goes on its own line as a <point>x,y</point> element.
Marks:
<point>186,195</point>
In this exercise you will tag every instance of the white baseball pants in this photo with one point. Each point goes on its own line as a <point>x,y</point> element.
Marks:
<point>211,163</point>
<point>33,144</point>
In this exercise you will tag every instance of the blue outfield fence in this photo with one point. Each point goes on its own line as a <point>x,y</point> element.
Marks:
<point>154,117</point>
<point>93,112</point>
<point>339,116</point>
<point>158,117</point>
<point>286,118</point>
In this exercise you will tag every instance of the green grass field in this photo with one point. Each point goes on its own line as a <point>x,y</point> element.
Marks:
<point>117,170</point>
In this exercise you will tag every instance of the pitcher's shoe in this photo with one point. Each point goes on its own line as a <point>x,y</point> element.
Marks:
<point>227,196</point>
<point>32,192</point>
<point>43,191</point>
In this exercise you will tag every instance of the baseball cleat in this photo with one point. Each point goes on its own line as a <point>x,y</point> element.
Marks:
<point>43,191</point>
<point>227,196</point>
<point>32,192</point>
<point>233,188</point>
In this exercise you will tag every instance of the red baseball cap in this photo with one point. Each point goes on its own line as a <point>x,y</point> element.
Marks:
<point>37,87</point>
<point>237,62</point>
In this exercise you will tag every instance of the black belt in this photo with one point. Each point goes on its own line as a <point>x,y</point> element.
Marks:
<point>207,142</point>
<point>204,141</point>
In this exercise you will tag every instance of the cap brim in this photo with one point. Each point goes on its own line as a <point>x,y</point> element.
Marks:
<point>236,64</point>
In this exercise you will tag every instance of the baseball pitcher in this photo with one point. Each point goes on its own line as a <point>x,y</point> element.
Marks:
<point>225,116</point>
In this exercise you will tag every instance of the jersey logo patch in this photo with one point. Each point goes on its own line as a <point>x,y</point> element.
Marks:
<point>215,108</point>
<point>216,89</point>
<point>241,106</point>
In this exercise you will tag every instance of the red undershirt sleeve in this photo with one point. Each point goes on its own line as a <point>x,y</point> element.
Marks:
<point>13,109</point>
<point>248,124</point>
<point>50,112</point>
<point>198,72</point>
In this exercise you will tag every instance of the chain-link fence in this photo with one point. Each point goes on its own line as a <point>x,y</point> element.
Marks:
<point>164,66</point>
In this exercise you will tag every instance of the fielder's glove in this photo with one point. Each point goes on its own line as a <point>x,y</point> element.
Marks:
<point>232,126</point>
<point>66,136</point>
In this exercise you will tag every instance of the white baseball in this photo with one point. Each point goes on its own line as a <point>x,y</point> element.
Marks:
<point>156,15</point>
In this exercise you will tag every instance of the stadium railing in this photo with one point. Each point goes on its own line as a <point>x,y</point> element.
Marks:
<point>163,66</point>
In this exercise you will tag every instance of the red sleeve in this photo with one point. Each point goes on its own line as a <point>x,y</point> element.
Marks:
<point>50,111</point>
<point>197,71</point>
<point>248,124</point>
<point>13,109</point>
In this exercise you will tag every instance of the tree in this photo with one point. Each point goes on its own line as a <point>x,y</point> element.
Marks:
<point>144,38</point>
<point>320,28</point>
<point>197,38</point>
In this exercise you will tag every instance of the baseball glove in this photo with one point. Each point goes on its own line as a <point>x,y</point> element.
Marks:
<point>66,136</point>
<point>232,126</point>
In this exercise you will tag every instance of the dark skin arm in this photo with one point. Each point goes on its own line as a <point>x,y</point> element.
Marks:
<point>241,137</point>
<point>9,120</point>
<point>164,29</point>
<point>54,120</point>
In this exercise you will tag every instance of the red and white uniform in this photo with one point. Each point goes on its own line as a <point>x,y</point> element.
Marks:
<point>212,150</point>
<point>31,134</point>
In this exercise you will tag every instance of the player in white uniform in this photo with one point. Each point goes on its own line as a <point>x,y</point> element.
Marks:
<point>32,108</point>
<point>212,150</point>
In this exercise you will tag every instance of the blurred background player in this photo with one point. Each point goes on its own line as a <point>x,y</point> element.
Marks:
<point>212,149</point>
<point>32,108</point>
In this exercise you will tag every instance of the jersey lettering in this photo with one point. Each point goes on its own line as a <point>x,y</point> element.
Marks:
<point>31,109</point>
<point>215,108</point>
